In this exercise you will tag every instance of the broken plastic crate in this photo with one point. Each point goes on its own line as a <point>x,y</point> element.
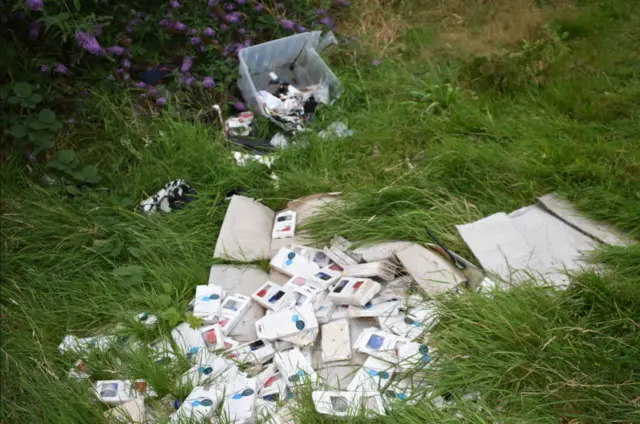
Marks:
<point>294,59</point>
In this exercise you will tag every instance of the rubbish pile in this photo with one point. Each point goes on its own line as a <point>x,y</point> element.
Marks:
<point>352,323</point>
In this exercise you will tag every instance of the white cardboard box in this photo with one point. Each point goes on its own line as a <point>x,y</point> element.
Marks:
<point>336,344</point>
<point>287,322</point>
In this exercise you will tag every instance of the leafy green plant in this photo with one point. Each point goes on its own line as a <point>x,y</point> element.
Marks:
<point>67,163</point>
<point>34,128</point>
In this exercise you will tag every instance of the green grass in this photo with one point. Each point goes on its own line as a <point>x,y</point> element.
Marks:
<point>493,146</point>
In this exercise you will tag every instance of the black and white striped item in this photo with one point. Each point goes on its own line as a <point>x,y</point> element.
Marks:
<point>173,196</point>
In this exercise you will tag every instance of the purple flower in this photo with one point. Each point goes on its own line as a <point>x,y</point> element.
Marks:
<point>116,50</point>
<point>187,61</point>
<point>89,43</point>
<point>140,14</point>
<point>125,63</point>
<point>328,21</point>
<point>376,62</point>
<point>164,23</point>
<point>44,68</point>
<point>208,82</point>
<point>242,31</point>
<point>153,91</point>
<point>32,157</point>
<point>127,77</point>
<point>209,32</point>
<point>189,81</point>
<point>61,69</point>
<point>213,3</point>
<point>233,18</point>
<point>241,1</point>
<point>119,71</point>
<point>140,84</point>
<point>195,41</point>
<point>192,31</point>
<point>300,28</point>
<point>343,3</point>
<point>224,27</point>
<point>34,30</point>
<point>203,49</point>
<point>287,23</point>
<point>240,106</point>
<point>321,12</point>
<point>169,14</point>
<point>35,5</point>
<point>259,7</point>
<point>180,26</point>
<point>161,101</point>
<point>130,29</point>
<point>229,7</point>
<point>175,4</point>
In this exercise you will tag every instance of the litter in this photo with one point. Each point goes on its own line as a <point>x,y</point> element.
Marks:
<point>294,367</point>
<point>243,159</point>
<point>132,411</point>
<point>537,241</point>
<point>279,140</point>
<point>239,125</point>
<point>343,326</point>
<point>146,319</point>
<point>273,297</point>
<point>285,79</point>
<point>287,322</point>
<point>207,303</point>
<point>354,291</point>
<point>173,196</point>
<point>232,310</point>
<point>336,129</point>
<point>374,376</point>
<point>80,371</point>
<point>83,345</point>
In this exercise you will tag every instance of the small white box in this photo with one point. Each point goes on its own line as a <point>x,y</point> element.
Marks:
<point>302,283</point>
<point>291,263</point>
<point>273,297</point>
<point>339,312</point>
<point>325,310</point>
<point>412,355</point>
<point>380,344</point>
<point>232,310</point>
<point>146,319</point>
<point>274,389</point>
<point>189,340</point>
<point>286,323</point>
<point>294,367</point>
<point>80,371</point>
<point>198,406</point>
<point>336,343</point>
<point>386,309</point>
<point>207,303</point>
<point>256,352</point>
<point>207,367</point>
<point>373,376</point>
<point>387,294</point>
<point>354,291</point>
<point>238,404</point>
<point>82,345</point>
<point>314,255</point>
<point>384,270</point>
<point>284,225</point>
<point>114,392</point>
<point>270,372</point>
<point>327,276</point>
<point>213,337</point>
<point>343,404</point>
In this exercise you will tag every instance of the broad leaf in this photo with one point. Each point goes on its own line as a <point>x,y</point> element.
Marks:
<point>66,156</point>
<point>47,116</point>
<point>18,130</point>
<point>22,89</point>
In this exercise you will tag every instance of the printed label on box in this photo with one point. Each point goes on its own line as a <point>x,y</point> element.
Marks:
<point>284,225</point>
<point>287,322</point>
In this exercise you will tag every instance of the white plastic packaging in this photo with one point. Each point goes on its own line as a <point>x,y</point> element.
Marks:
<point>373,376</point>
<point>291,263</point>
<point>294,367</point>
<point>256,352</point>
<point>231,311</point>
<point>327,276</point>
<point>336,342</point>
<point>286,323</point>
<point>207,303</point>
<point>189,340</point>
<point>354,291</point>
<point>198,406</point>
<point>273,297</point>
<point>284,225</point>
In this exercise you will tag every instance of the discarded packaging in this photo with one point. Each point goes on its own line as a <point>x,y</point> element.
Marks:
<point>189,340</point>
<point>354,291</point>
<point>384,270</point>
<point>284,225</point>
<point>173,196</point>
<point>239,125</point>
<point>207,303</point>
<point>294,367</point>
<point>131,412</point>
<point>336,343</point>
<point>343,404</point>
<point>287,322</point>
<point>256,352</point>
<point>289,262</point>
<point>336,129</point>
<point>273,297</point>
<point>232,310</point>
<point>199,405</point>
<point>374,376</point>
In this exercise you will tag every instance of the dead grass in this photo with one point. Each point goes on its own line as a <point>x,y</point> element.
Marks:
<point>467,27</point>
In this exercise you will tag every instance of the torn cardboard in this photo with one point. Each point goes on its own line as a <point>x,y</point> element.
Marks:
<point>433,273</point>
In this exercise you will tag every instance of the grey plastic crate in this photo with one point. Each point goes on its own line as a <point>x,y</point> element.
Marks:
<point>301,50</point>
